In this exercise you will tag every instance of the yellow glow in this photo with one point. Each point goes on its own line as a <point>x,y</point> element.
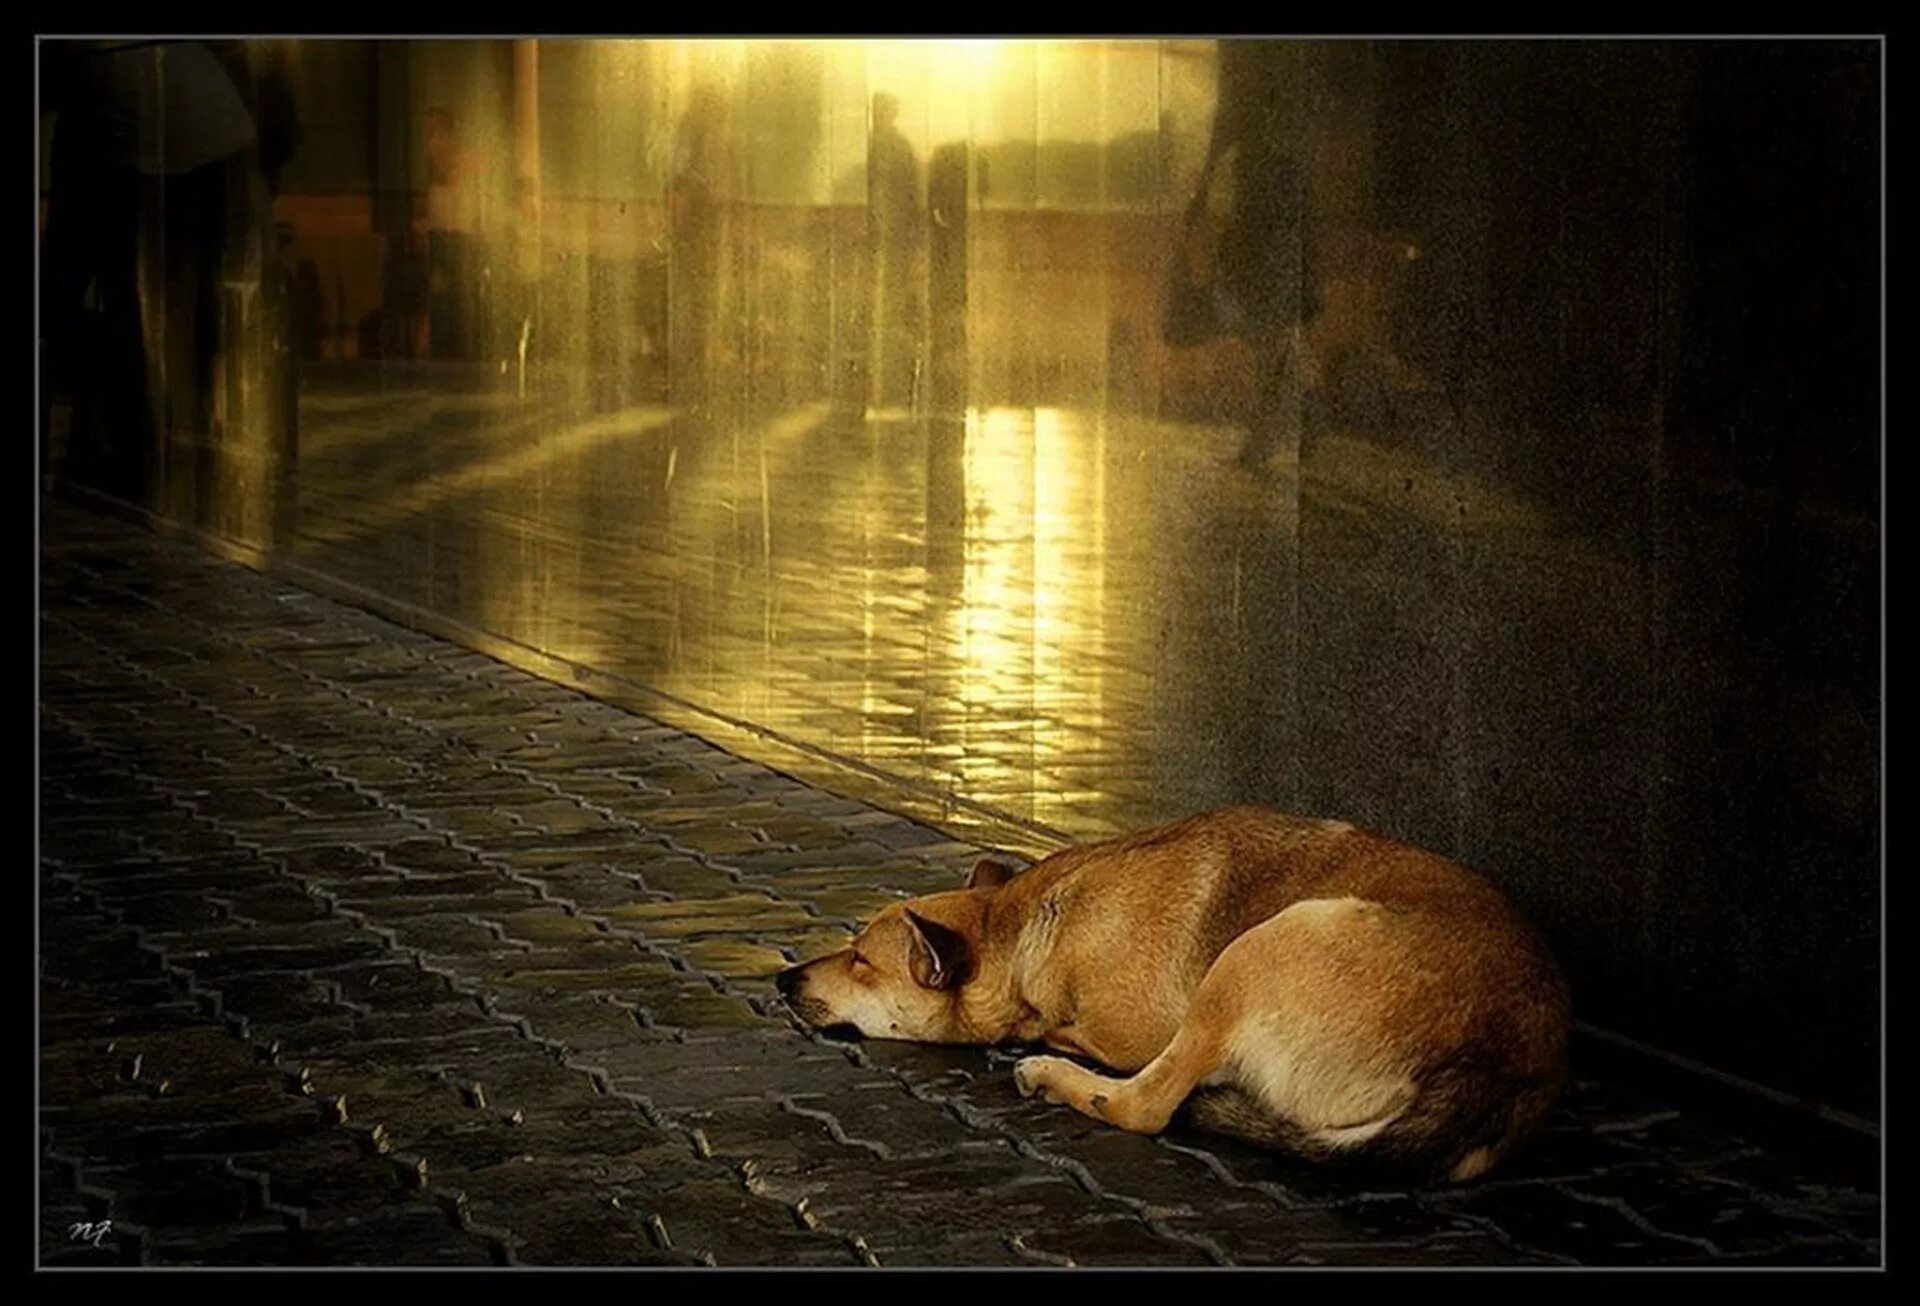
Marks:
<point>511,467</point>
<point>1027,638</point>
<point>964,59</point>
<point>1057,547</point>
<point>997,594</point>
<point>958,72</point>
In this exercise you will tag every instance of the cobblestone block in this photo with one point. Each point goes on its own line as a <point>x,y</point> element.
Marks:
<point>477,882</point>
<point>258,960</point>
<point>614,960</point>
<point>583,1023</point>
<point>1735,1220</point>
<point>734,958</point>
<point>1549,1218</point>
<point>849,874</point>
<point>436,1034</point>
<point>213,877</point>
<point>557,815</point>
<point>413,1234</point>
<point>387,984</point>
<point>327,800</point>
<point>111,1014</point>
<point>678,1077</point>
<point>686,879</point>
<point>524,842</point>
<point>307,832</point>
<point>377,1094</point>
<point>175,1192</point>
<point>424,856</point>
<point>172,913</point>
<point>525,1078</point>
<point>852,906</point>
<point>589,888</point>
<point>268,1129</point>
<point>333,865</point>
<point>570,1227</point>
<point>546,926</point>
<point>1666,1134</point>
<point>1467,1249</point>
<point>1111,1240</point>
<point>428,795</point>
<point>741,914</point>
<point>277,904</point>
<point>391,909</point>
<point>721,1218</point>
<point>697,1005</point>
<point>1788,1188</point>
<point>443,936</point>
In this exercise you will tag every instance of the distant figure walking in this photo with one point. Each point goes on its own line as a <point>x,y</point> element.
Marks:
<point>155,185</point>
<point>895,230</point>
<point>1264,285</point>
<point>701,162</point>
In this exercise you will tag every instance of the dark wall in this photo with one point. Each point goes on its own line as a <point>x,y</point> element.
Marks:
<point>1655,284</point>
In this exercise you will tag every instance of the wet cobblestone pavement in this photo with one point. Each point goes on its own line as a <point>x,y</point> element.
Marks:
<point>361,948</point>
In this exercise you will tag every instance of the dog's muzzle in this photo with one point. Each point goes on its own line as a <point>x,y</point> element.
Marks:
<point>813,1011</point>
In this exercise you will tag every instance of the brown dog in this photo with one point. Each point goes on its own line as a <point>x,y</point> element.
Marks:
<point>1296,983</point>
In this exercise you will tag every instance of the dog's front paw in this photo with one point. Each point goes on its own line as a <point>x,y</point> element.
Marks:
<point>1030,1074</point>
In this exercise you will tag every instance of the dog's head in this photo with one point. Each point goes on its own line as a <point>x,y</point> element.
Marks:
<point>915,972</point>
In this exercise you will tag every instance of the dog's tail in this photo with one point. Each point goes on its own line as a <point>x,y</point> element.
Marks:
<point>1466,1115</point>
<point>1236,1114</point>
<point>1471,1111</point>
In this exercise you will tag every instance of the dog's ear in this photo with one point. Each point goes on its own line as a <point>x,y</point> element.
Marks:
<point>991,873</point>
<point>942,957</point>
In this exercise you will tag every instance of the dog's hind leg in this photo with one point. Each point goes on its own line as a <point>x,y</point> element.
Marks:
<point>1272,1017</point>
<point>1143,1103</point>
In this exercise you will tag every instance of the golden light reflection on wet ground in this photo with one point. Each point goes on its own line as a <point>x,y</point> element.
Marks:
<point>1083,621</point>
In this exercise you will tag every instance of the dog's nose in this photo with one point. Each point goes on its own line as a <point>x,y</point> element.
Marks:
<point>788,980</point>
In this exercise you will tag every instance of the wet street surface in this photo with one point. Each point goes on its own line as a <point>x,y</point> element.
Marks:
<point>1086,621</point>
<point>361,948</point>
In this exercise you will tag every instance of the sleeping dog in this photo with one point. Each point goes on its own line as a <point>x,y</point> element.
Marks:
<point>1299,984</point>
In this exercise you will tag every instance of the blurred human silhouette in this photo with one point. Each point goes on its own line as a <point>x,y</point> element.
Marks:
<point>157,197</point>
<point>947,211</point>
<point>894,234</point>
<point>1264,282</point>
<point>456,213</point>
<point>263,335</point>
<point>695,216</point>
